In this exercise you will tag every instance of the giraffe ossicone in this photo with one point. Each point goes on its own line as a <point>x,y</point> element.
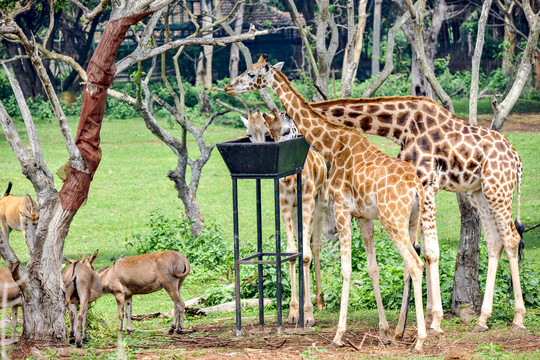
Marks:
<point>365,183</point>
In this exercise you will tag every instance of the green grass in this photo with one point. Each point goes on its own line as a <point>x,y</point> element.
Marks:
<point>131,181</point>
<point>461,107</point>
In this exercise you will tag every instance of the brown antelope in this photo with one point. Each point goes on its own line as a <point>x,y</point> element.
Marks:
<point>145,274</point>
<point>10,296</point>
<point>83,286</point>
<point>15,211</point>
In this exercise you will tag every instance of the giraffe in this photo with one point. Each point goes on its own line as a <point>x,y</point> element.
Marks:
<point>365,183</point>
<point>314,204</point>
<point>449,154</point>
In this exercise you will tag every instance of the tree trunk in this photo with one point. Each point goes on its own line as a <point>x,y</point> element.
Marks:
<point>466,294</point>
<point>204,66</point>
<point>235,50</point>
<point>24,72</point>
<point>376,38</point>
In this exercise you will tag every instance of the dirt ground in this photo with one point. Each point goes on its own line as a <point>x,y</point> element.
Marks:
<point>219,341</point>
<point>515,122</point>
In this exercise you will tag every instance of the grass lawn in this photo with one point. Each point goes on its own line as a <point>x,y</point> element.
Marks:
<point>131,182</point>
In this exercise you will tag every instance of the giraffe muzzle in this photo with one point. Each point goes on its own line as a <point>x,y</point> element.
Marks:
<point>229,90</point>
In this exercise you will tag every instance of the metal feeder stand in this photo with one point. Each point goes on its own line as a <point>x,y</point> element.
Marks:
<point>269,160</point>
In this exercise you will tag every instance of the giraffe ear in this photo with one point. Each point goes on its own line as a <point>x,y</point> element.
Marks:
<point>244,120</point>
<point>279,65</point>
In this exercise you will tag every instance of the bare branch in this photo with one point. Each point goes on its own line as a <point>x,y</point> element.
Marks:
<point>13,137</point>
<point>245,113</point>
<point>143,54</point>
<point>47,54</point>
<point>301,28</point>
<point>389,61</point>
<point>475,71</point>
<point>28,121</point>
<point>8,30</point>
<point>123,8</point>
<point>19,10</point>
<point>211,119</point>
<point>51,23</point>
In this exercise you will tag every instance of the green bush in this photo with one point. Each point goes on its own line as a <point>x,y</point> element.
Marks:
<point>207,253</point>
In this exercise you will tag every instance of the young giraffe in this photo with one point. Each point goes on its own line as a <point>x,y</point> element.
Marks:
<point>314,204</point>
<point>451,155</point>
<point>365,183</point>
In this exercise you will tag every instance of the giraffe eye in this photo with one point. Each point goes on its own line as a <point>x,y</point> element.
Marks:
<point>287,132</point>
<point>251,75</point>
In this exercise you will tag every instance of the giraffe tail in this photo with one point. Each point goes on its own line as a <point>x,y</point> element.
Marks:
<point>520,227</point>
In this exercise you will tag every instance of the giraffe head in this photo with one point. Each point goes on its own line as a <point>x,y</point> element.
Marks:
<point>281,126</point>
<point>256,129</point>
<point>257,76</point>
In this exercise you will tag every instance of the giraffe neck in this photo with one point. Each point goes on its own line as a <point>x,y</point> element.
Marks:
<point>400,119</point>
<point>325,136</point>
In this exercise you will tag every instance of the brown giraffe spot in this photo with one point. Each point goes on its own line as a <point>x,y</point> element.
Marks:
<point>435,135</point>
<point>471,165</point>
<point>294,102</point>
<point>354,114</point>
<point>455,138</point>
<point>383,131</point>
<point>499,145</point>
<point>338,112</point>
<point>477,138</point>
<point>466,176</point>
<point>327,140</point>
<point>279,91</point>
<point>478,155</point>
<point>454,178</point>
<point>458,125</point>
<point>413,128</point>
<point>464,150</point>
<point>441,164</point>
<point>425,144</point>
<point>425,163</point>
<point>365,123</point>
<point>401,106</point>
<point>385,118</point>
<point>324,108</point>
<point>372,109</point>
<point>397,133</point>
<point>390,107</point>
<point>430,121</point>
<point>402,118</point>
<point>466,130</point>
<point>442,149</point>
<point>420,174</point>
<point>412,105</point>
<point>317,132</point>
<point>304,113</point>
<point>446,128</point>
<point>430,109</point>
<point>348,123</point>
<point>358,107</point>
<point>483,131</point>
<point>455,163</point>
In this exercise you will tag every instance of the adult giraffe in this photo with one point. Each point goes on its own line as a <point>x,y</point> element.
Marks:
<point>314,205</point>
<point>365,183</point>
<point>449,154</point>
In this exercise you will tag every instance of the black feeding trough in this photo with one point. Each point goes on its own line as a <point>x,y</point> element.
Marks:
<point>268,160</point>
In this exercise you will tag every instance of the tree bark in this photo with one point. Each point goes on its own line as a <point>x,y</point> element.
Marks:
<point>376,38</point>
<point>204,66</point>
<point>466,292</point>
<point>235,50</point>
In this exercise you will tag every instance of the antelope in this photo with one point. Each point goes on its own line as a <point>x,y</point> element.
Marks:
<point>82,286</point>
<point>145,274</point>
<point>10,296</point>
<point>16,212</point>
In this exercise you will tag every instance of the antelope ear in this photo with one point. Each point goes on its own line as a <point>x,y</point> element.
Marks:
<point>93,257</point>
<point>244,120</point>
<point>83,258</point>
<point>25,216</point>
<point>279,65</point>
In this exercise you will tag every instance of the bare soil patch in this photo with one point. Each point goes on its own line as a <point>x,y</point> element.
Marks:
<point>219,341</point>
<point>516,122</point>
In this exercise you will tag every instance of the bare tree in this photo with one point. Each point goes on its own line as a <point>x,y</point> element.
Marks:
<point>376,37</point>
<point>355,36</point>
<point>235,51</point>
<point>43,300</point>
<point>204,66</point>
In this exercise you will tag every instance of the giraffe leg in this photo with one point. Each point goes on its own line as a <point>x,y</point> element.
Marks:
<point>366,227</point>
<point>400,328</point>
<point>494,248</point>
<point>287,215</point>
<point>308,208</point>
<point>343,224</point>
<point>318,220</point>
<point>431,253</point>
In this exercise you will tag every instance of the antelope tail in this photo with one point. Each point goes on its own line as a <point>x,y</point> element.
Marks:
<point>8,190</point>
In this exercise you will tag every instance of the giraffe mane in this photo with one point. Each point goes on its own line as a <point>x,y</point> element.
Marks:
<point>306,104</point>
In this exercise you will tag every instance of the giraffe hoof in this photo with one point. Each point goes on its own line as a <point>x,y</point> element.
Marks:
<point>171,331</point>
<point>480,328</point>
<point>292,320</point>
<point>310,323</point>
<point>335,344</point>
<point>517,327</point>
<point>436,333</point>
